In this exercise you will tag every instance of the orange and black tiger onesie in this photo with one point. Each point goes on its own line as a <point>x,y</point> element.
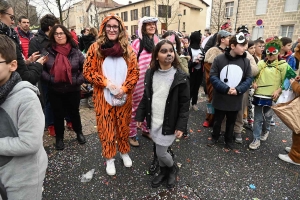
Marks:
<point>112,121</point>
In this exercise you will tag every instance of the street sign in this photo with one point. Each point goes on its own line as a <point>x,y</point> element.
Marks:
<point>259,22</point>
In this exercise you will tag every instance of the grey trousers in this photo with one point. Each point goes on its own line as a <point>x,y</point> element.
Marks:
<point>164,158</point>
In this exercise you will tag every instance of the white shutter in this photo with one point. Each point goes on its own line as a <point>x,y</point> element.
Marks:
<point>257,32</point>
<point>291,5</point>
<point>261,7</point>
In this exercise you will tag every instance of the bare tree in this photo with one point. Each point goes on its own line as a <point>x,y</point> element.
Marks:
<point>217,15</point>
<point>59,5</point>
<point>25,8</point>
<point>167,11</point>
<point>96,22</point>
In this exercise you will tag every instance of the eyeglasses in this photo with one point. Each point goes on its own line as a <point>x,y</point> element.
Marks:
<point>108,27</point>
<point>59,34</point>
<point>12,17</point>
<point>4,61</point>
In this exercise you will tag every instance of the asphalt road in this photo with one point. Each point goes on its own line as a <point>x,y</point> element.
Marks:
<point>205,173</point>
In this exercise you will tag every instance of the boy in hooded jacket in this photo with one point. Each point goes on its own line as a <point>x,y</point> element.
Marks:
<point>23,160</point>
<point>231,77</point>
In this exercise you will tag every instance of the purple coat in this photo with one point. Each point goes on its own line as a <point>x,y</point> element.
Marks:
<point>76,59</point>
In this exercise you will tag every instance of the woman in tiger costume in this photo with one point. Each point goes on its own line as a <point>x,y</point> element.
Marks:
<point>111,66</point>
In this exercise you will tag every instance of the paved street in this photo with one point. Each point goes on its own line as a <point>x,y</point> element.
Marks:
<point>205,173</point>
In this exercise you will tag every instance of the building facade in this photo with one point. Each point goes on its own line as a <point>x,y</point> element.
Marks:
<point>84,13</point>
<point>265,18</point>
<point>185,16</point>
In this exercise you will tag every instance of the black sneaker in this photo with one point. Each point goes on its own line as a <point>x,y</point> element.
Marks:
<point>212,142</point>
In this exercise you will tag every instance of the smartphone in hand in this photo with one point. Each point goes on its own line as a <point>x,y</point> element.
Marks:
<point>45,54</point>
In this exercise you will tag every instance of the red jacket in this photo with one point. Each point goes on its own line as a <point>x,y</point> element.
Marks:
<point>75,38</point>
<point>24,40</point>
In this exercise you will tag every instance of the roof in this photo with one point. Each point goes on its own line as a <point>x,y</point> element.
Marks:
<point>192,6</point>
<point>104,5</point>
<point>122,6</point>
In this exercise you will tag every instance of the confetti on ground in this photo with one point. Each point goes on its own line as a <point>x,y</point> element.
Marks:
<point>177,140</point>
<point>247,138</point>
<point>191,131</point>
<point>255,198</point>
<point>252,186</point>
<point>147,172</point>
<point>209,138</point>
<point>179,165</point>
<point>236,151</point>
<point>226,172</point>
<point>226,150</point>
<point>188,160</point>
<point>284,141</point>
<point>199,130</point>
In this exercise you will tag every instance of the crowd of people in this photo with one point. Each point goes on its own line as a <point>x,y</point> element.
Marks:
<point>147,84</point>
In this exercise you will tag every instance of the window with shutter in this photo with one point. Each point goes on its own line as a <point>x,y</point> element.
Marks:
<point>287,31</point>
<point>261,7</point>
<point>229,9</point>
<point>291,5</point>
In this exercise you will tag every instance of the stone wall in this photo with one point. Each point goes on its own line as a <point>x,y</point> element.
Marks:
<point>274,18</point>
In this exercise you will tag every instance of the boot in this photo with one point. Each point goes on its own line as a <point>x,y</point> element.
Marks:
<point>172,178</point>
<point>81,138</point>
<point>59,144</point>
<point>160,178</point>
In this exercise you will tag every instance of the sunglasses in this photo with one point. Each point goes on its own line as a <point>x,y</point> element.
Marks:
<point>12,17</point>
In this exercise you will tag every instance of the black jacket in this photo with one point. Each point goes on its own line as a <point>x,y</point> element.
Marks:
<point>177,106</point>
<point>211,42</point>
<point>85,42</point>
<point>39,42</point>
<point>31,72</point>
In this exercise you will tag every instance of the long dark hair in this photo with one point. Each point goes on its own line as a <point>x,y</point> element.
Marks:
<point>67,33</point>
<point>154,64</point>
<point>177,40</point>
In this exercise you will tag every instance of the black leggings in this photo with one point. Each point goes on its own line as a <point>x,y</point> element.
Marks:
<point>196,77</point>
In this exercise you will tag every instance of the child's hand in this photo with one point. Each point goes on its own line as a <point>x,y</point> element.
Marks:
<point>276,93</point>
<point>139,124</point>
<point>254,85</point>
<point>178,133</point>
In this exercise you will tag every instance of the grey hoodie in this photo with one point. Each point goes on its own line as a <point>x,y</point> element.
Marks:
<point>23,160</point>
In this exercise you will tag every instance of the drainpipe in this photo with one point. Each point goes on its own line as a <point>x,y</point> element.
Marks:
<point>237,12</point>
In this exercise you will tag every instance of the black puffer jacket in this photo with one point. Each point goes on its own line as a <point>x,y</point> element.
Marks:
<point>177,106</point>
<point>31,72</point>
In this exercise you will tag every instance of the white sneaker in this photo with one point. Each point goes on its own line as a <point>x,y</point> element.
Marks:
<point>272,123</point>
<point>255,144</point>
<point>126,160</point>
<point>264,136</point>
<point>287,149</point>
<point>110,167</point>
<point>286,158</point>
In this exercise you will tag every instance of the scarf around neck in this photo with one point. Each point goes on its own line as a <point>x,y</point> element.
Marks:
<point>8,86</point>
<point>62,69</point>
<point>111,49</point>
<point>10,32</point>
<point>148,43</point>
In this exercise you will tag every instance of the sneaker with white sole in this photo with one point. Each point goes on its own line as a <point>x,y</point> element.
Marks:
<point>264,136</point>
<point>255,144</point>
<point>286,158</point>
<point>272,123</point>
<point>110,167</point>
<point>238,138</point>
<point>287,149</point>
<point>126,160</point>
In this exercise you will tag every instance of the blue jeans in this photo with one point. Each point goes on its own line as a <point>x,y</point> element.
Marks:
<point>47,109</point>
<point>261,121</point>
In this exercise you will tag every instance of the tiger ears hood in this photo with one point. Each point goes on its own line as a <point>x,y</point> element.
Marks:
<point>109,17</point>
